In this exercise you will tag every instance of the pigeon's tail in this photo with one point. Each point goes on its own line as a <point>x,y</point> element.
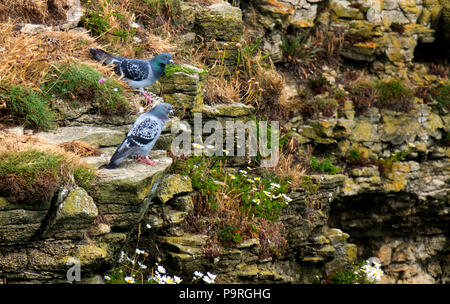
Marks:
<point>111,165</point>
<point>107,58</point>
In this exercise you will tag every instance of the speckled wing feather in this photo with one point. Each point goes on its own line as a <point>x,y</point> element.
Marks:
<point>135,69</point>
<point>141,137</point>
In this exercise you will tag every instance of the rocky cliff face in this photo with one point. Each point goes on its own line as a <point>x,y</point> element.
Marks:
<point>391,203</point>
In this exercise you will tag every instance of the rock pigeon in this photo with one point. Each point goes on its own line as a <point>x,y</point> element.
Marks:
<point>139,73</point>
<point>142,136</point>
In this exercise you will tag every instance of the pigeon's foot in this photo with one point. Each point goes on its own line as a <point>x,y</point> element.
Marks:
<point>147,160</point>
<point>148,99</point>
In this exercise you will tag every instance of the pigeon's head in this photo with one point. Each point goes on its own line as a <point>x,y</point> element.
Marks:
<point>163,110</point>
<point>163,59</point>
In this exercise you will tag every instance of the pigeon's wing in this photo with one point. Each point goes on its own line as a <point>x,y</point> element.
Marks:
<point>145,130</point>
<point>135,69</point>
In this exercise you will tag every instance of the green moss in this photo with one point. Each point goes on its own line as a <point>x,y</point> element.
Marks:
<point>28,165</point>
<point>33,176</point>
<point>28,108</point>
<point>174,68</point>
<point>79,83</point>
<point>83,176</point>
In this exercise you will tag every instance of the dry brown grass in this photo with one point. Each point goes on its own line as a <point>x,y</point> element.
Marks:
<point>80,148</point>
<point>221,90</point>
<point>49,12</point>
<point>287,167</point>
<point>17,185</point>
<point>26,59</point>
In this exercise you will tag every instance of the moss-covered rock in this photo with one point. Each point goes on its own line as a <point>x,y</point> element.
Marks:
<point>220,21</point>
<point>173,184</point>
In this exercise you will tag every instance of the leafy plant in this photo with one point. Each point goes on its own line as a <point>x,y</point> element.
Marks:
<point>323,166</point>
<point>28,108</point>
<point>443,97</point>
<point>298,48</point>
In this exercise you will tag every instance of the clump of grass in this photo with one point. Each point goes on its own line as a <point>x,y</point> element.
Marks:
<point>75,82</point>
<point>394,95</point>
<point>318,107</point>
<point>324,166</point>
<point>363,94</point>
<point>80,148</point>
<point>31,176</point>
<point>26,107</point>
<point>443,96</point>
<point>318,85</point>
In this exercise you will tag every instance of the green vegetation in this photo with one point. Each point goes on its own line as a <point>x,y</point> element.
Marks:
<point>174,68</point>
<point>394,95</point>
<point>443,97</point>
<point>28,108</point>
<point>299,48</point>
<point>324,166</point>
<point>239,206</point>
<point>354,155</point>
<point>34,176</point>
<point>76,82</point>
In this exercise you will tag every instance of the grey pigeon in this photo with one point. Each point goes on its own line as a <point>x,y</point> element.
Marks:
<point>139,73</point>
<point>142,136</point>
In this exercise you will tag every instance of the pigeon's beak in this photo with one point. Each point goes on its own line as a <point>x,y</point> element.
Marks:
<point>171,113</point>
<point>170,61</point>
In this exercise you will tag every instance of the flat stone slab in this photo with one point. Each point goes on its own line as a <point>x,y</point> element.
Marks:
<point>97,136</point>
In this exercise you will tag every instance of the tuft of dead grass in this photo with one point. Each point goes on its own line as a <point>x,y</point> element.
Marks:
<point>26,59</point>
<point>32,169</point>
<point>80,148</point>
<point>48,12</point>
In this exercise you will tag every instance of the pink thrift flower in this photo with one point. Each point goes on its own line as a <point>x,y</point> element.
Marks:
<point>102,80</point>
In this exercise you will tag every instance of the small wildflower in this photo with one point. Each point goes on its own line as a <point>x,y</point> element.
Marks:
<point>148,226</point>
<point>250,180</point>
<point>138,251</point>
<point>210,147</point>
<point>257,178</point>
<point>115,89</point>
<point>161,269</point>
<point>177,279</point>
<point>197,146</point>
<point>129,280</point>
<point>257,201</point>
<point>102,80</point>
<point>274,185</point>
<point>267,193</point>
<point>226,152</point>
<point>107,278</point>
<point>243,172</point>
<point>232,176</point>
<point>143,266</point>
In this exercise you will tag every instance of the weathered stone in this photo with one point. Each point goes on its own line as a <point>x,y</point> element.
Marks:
<point>76,213</point>
<point>220,21</point>
<point>172,185</point>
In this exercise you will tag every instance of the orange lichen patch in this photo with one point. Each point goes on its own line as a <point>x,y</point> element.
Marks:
<point>281,8</point>
<point>325,123</point>
<point>366,44</point>
<point>303,24</point>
